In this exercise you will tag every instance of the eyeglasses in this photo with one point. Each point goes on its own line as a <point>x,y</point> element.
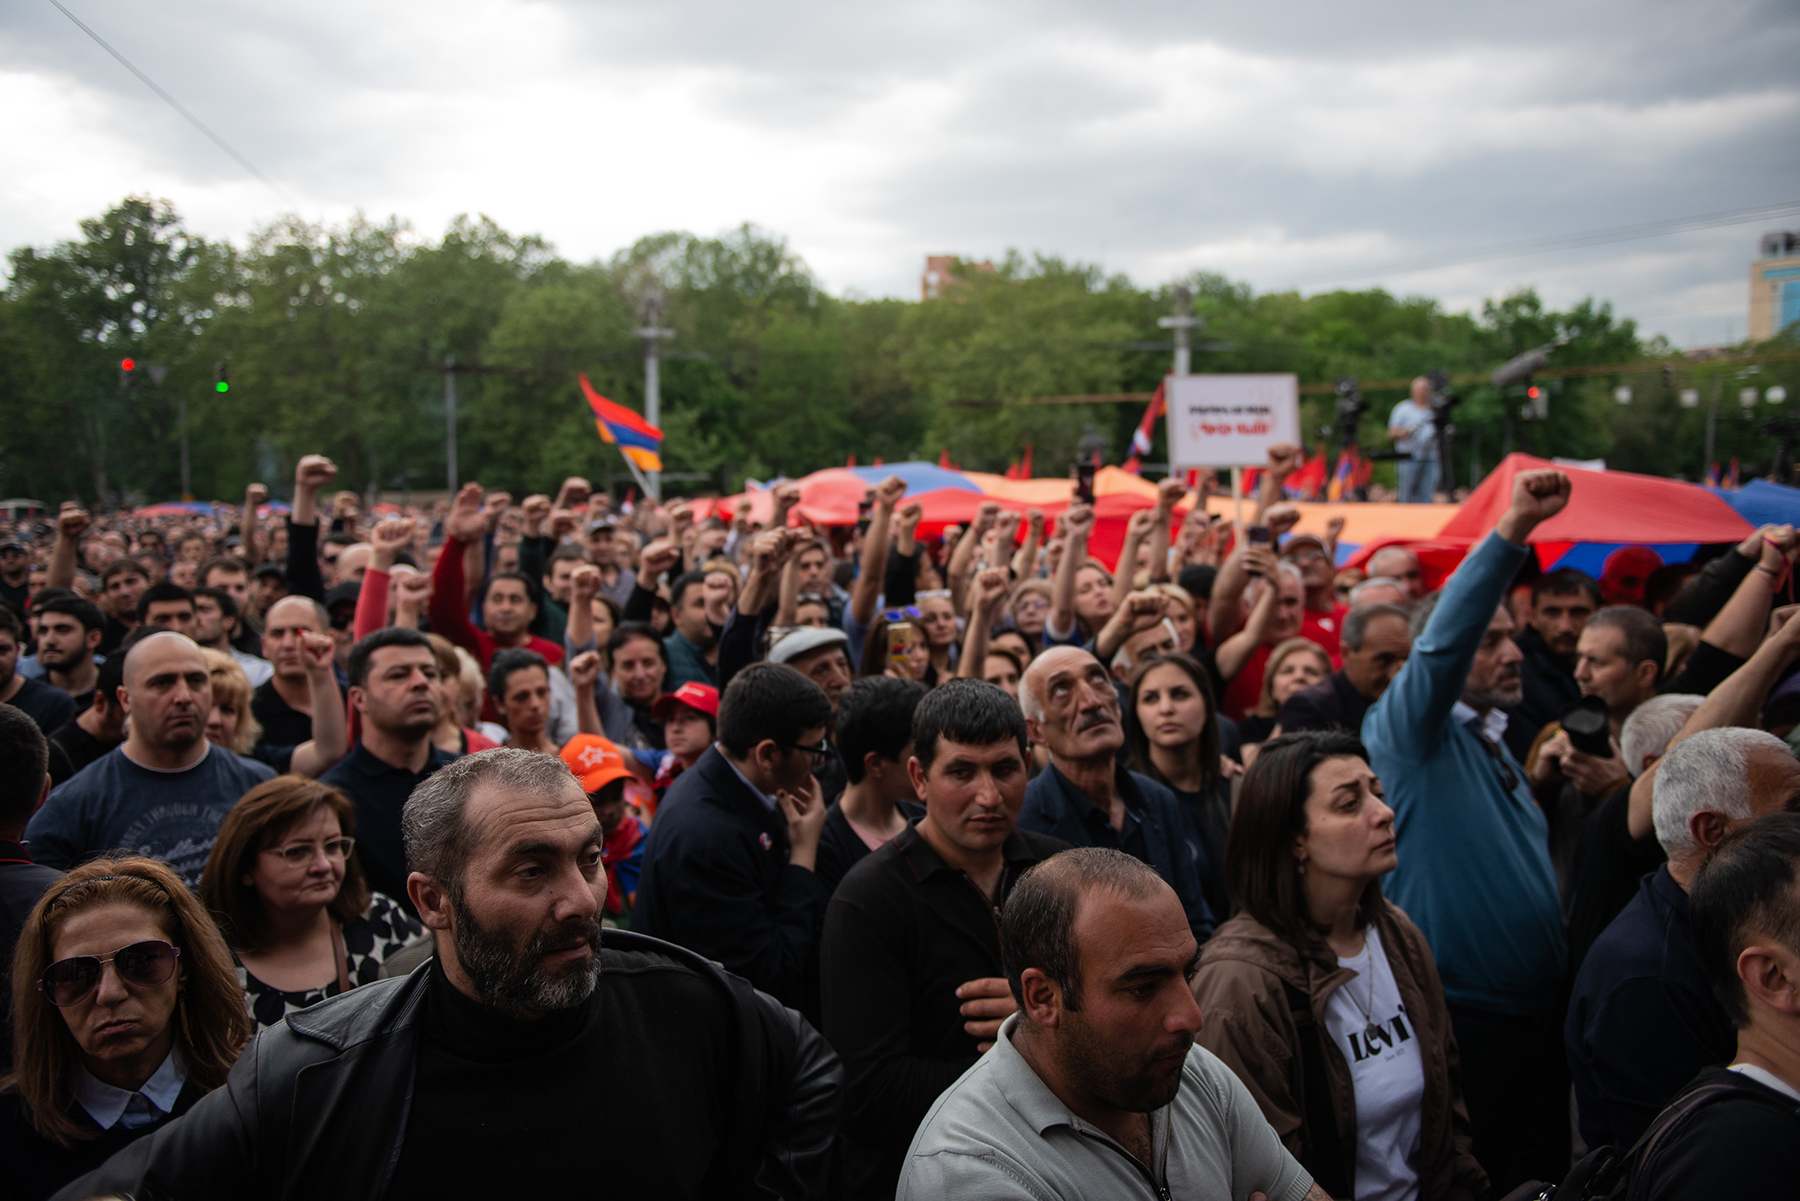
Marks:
<point>909,613</point>
<point>819,752</point>
<point>297,853</point>
<point>140,965</point>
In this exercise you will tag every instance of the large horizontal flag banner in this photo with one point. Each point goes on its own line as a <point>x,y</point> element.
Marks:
<point>636,438</point>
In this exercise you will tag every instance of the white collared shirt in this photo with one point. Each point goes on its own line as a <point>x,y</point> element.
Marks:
<point>106,1104</point>
<point>1493,722</point>
<point>1766,1078</point>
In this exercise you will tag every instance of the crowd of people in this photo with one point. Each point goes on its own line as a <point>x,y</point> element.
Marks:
<point>380,854</point>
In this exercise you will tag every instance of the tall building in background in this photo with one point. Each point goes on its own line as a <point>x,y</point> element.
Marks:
<point>940,273</point>
<point>1775,285</point>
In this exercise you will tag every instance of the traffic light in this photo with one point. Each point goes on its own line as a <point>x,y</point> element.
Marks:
<point>128,374</point>
<point>220,383</point>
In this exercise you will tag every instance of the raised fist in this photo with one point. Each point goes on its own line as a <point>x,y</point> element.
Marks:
<point>313,472</point>
<point>464,521</point>
<point>889,491</point>
<point>255,496</point>
<point>584,584</point>
<point>72,522</point>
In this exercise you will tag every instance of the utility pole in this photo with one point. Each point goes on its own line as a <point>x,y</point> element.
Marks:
<point>1183,322</point>
<point>450,422</point>
<point>650,313</point>
<point>1712,420</point>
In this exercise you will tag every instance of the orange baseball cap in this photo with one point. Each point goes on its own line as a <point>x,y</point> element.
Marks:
<point>694,695</point>
<point>595,762</point>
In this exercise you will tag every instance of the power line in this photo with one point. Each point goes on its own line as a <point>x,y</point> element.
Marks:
<point>175,104</point>
<point>1574,241</point>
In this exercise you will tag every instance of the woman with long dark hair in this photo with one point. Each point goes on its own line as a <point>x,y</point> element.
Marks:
<point>1172,727</point>
<point>1321,995</point>
<point>125,1013</point>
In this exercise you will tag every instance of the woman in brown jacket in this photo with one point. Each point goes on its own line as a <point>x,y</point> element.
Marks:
<point>1322,996</point>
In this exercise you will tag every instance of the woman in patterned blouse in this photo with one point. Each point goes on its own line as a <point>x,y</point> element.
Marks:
<point>285,888</point>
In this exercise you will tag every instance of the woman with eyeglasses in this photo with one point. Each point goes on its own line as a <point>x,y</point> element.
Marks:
<point>286,890</point>
<point>125,1013</point>
<point>1321,995</point>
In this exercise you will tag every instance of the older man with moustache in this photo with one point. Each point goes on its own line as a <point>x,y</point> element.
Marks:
<point>1085,797</point>
<point>166,789</point>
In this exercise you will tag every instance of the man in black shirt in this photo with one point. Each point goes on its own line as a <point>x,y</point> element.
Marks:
<point>490,1071</point>
<point>874,737</point>
<point>1746,914</point>
<point>284,704</point>
<point>1561,603</point>
<point>1643,1017</point>
<point>23,787</point>
<point>68,633</point>
<point>911,975</point>
<point>48,707</point>
<point>393,673</point>
<point>95,730</point>
<point>1376,640</point>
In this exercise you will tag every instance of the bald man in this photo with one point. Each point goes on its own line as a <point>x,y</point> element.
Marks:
<point>283,704</point>
<point>165,790</point>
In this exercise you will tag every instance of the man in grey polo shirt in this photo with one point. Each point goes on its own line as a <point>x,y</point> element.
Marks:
<point>1095,1087</point>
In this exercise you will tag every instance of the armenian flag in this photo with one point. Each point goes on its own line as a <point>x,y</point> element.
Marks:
<point>637,439</point>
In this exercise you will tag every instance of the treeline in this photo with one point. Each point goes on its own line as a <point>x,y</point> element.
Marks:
<point>334,339</point>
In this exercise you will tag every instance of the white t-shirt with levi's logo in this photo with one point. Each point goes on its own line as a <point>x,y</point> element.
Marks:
<point>1368,1021</point>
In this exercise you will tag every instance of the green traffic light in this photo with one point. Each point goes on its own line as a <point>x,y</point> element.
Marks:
<point>222,386</point>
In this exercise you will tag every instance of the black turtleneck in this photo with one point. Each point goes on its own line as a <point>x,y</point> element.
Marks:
<point>624,1093</point>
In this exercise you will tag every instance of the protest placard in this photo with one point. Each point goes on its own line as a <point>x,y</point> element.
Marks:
<point>1230,420</point>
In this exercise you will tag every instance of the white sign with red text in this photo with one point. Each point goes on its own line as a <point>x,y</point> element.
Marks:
<point>1230,420</point>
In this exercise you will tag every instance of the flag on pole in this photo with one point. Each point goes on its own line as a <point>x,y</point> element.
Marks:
<point>1305,483</point>
<point>638,440</point>
<point>1143,438</point>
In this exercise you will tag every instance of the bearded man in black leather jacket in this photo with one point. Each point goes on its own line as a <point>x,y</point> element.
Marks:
<point>527,1057</point>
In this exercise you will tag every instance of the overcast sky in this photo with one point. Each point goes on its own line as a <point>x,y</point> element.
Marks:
<point>1302,144</point>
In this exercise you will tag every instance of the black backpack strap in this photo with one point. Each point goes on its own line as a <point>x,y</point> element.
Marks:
<point>1669,1122</point>
<point>1321,1151</point>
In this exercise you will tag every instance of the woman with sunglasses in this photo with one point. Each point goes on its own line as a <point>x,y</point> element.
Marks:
<point>1321,995</point>
<point>125,1013</point>
<point>288,895</point>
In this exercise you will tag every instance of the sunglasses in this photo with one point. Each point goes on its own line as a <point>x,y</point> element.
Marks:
<point>909,613</point>
<point>140,965</point>
<point>819,752</point>
<point>298,854</point>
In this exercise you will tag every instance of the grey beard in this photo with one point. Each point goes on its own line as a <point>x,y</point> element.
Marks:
<point>1503,697</point>
<point>510,980</point>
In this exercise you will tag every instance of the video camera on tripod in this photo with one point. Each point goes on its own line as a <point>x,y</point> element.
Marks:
<point>1350,408</point>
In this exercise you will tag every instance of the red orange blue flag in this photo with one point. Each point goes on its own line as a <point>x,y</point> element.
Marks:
<point>636,438</point>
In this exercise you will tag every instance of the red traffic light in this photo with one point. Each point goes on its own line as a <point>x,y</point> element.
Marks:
<point>128,365</point>
<point>1534,391</point>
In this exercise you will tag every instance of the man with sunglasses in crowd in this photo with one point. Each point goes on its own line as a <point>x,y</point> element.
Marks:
<point>729,864</point>
<point>1475,870</point>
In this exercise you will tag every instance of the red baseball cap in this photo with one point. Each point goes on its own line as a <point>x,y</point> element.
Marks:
<point>595,762</point>
<point>693,694</point>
